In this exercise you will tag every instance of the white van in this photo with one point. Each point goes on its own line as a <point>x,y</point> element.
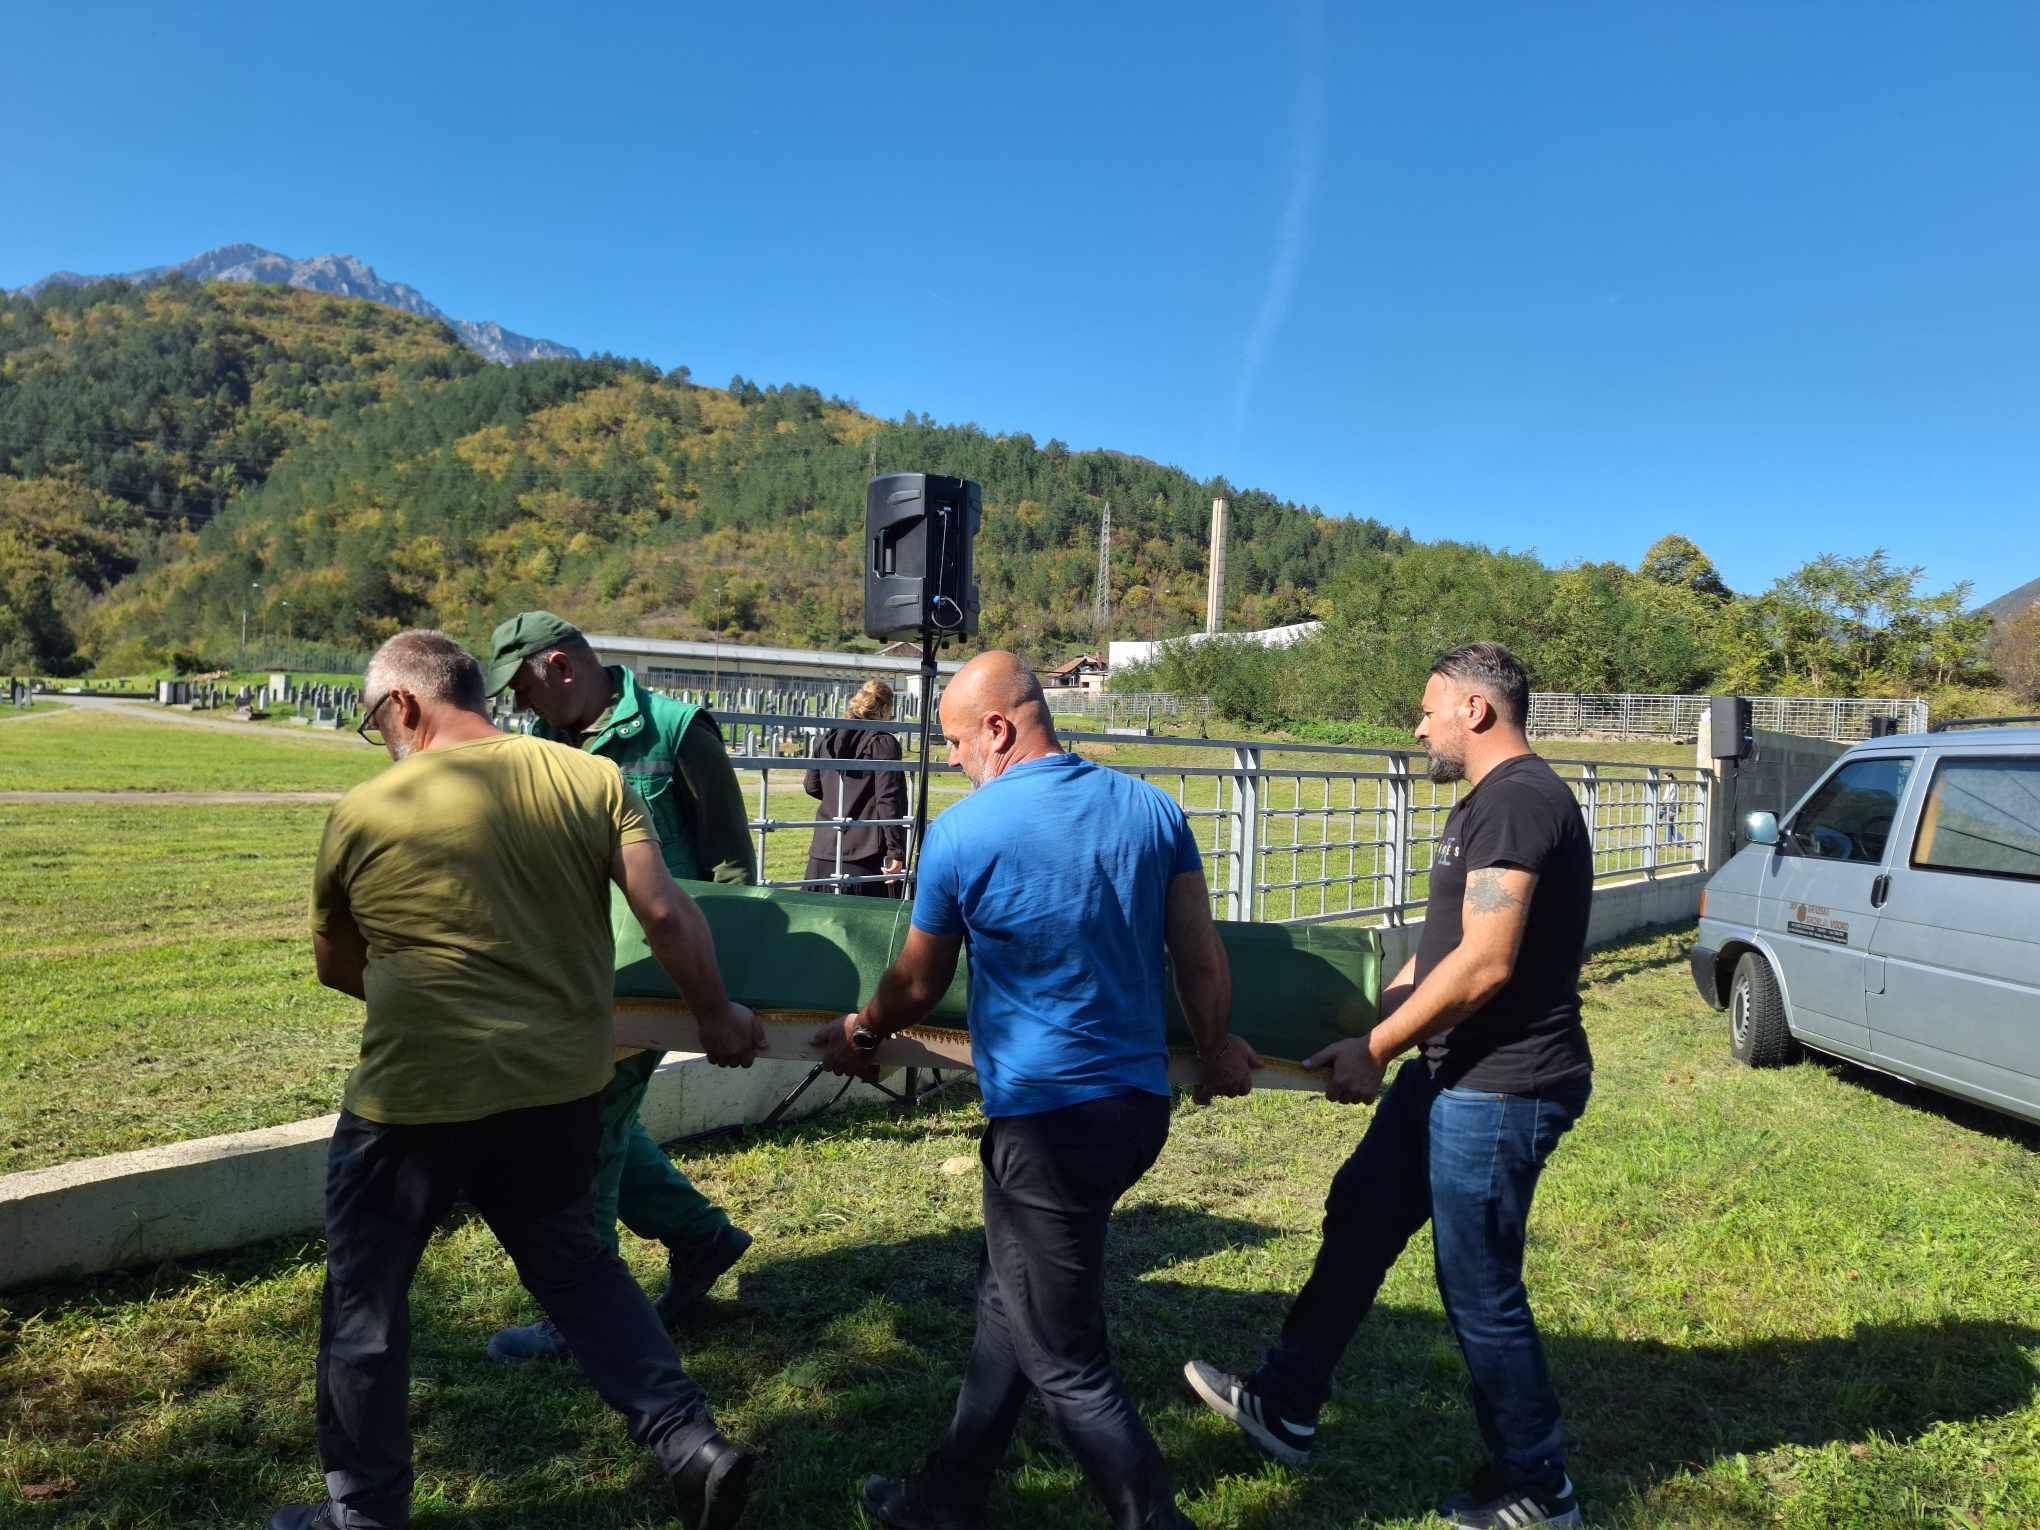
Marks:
<point>1893,917</point>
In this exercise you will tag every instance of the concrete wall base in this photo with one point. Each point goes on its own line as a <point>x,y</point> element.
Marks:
<point>1620,908</point>
<point>217,1193</point>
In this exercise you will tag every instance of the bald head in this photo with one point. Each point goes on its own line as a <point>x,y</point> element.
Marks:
<point>994,717</point>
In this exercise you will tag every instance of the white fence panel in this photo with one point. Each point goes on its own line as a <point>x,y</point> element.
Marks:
<point>1290,832</point>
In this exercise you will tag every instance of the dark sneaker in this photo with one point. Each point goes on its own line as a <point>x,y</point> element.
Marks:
<point>307,1516</point>
<point>714,1485</point>
<point>534,1341</point>
<point>1487,1484</point>
<point>691,1272</point>
<point>1288,1440</point>
<point>1514,1509</point>
<point>906,1503</point>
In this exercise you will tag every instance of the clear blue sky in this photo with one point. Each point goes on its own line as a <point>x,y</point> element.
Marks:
<point>1553,277</point>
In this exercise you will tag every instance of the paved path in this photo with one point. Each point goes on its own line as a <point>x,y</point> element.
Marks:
<point>172,799</point>
<point>149,711</point>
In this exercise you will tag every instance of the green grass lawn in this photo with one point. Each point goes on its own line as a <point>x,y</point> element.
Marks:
<point>91,750</point>
<point>158,976</point>
<point>1803,1298</point>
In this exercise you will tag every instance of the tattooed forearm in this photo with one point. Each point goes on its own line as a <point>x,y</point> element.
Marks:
<point>1485,893</point>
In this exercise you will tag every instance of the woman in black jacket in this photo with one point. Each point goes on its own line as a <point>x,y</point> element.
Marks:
<point>860,794</point>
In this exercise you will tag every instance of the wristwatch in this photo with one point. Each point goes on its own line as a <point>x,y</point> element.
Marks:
<point>863,1038</point>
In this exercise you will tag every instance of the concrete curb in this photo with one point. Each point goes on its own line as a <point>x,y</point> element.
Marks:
<point>216,1193</point>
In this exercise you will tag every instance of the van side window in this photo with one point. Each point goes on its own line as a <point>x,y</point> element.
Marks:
<point>1850,817</point>
<point>1982,816</point>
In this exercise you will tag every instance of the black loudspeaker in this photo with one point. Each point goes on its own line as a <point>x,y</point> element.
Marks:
<point>1731,733</point>
<point>1883,727</point>
<point>918,530</point>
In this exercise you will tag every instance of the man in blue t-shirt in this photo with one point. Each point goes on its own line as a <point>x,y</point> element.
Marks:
<point>1073,885</point>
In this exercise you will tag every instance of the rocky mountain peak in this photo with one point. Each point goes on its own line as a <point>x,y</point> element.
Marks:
<point>339,274</point>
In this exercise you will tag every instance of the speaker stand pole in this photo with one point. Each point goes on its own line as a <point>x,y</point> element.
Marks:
<point>928,642</point>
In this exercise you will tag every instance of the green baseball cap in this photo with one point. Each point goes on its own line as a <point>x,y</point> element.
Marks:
<point>522,636</point>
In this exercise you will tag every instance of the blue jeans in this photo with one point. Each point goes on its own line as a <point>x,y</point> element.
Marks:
<point>1467,1162</point>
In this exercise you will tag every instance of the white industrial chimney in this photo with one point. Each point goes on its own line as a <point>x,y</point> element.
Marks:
<point>1214,600</point>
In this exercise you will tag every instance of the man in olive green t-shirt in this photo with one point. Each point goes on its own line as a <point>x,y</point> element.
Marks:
<point>464,894</point>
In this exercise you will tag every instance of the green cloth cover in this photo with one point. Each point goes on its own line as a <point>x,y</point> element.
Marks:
<point>1296,987</point>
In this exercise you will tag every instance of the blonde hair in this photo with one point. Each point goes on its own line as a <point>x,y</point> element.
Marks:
<point>873,699</point>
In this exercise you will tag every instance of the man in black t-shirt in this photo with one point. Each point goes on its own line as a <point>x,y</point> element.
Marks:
<point>1492,998</point>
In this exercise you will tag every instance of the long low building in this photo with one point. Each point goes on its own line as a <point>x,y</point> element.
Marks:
<point>1122,653</point>
<point>683,664</point>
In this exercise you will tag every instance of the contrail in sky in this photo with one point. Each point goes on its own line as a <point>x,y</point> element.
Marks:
<point>1292,233</point>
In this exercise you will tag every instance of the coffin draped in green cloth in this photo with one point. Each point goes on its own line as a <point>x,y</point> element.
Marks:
<point>1296,988</point>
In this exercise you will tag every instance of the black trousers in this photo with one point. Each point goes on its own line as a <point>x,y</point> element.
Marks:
<point>530,1174</point>
<point>1050,1184</point>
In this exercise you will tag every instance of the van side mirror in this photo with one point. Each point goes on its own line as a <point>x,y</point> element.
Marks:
<point>1760,828</point>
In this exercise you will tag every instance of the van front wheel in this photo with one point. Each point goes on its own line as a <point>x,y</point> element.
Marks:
<point>1757,1032</point>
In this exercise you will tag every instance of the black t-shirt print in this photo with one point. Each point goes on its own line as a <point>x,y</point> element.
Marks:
<point>1528,1037</point>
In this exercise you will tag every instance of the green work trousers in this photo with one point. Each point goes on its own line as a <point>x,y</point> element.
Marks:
<point>635,1182</point>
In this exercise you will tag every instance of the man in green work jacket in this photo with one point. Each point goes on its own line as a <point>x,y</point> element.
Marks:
<point>672,755</point>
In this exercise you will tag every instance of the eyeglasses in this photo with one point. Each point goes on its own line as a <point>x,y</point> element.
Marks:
<point>368,734</point>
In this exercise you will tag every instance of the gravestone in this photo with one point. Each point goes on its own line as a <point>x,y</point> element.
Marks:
<point>325,717</point>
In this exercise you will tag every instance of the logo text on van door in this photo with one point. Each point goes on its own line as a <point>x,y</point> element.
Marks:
<point>1817,924</point>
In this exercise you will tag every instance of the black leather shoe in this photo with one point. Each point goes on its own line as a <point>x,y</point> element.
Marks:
<point>714,1484</point>
<point>690,1273</point>
<point>304,1516</point>
<point>906,1504</point>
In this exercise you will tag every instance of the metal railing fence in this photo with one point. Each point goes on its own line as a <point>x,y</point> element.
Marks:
<point>1130,708</point>
<point>1290,833</point>
<point>820,700</point>
<point>1845,718</point>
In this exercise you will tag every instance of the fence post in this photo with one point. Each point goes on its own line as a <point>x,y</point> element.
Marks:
<point>1398,836</point>
<point>1246,831</point>
<point>1590,803</point>
<point>1650,822</point>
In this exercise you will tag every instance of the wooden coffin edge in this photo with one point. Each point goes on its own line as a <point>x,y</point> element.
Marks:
<point>667,1024</point>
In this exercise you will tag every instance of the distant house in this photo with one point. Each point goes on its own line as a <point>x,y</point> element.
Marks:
<point>1085,672</point>
<point>900,650</point>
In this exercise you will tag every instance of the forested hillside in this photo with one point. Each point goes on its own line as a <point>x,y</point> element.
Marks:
<point>175,457</point>
<point>167,454</point>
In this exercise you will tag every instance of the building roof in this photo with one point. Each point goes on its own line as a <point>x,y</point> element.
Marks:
<point>1076,664</point>
<point>736,655</point>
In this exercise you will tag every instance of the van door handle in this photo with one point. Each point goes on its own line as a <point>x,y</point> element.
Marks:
<point>1880,890</point>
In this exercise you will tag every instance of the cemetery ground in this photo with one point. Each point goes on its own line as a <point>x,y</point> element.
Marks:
<point>1803,1298</point>
<point>158,982</point>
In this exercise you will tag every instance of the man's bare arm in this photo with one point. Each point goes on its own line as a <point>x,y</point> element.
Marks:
<point>341,955</point>
<point>915,982</point>
<point>1203,975</point>
<point>1204,985</point>
<point>1492,918</point>
<point>907,992</point>
<point>680,940</point>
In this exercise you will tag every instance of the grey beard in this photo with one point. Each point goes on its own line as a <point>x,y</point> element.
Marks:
<point>1444,769</point>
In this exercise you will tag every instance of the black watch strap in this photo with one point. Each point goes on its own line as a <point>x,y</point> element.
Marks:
<point>863,1038</point>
